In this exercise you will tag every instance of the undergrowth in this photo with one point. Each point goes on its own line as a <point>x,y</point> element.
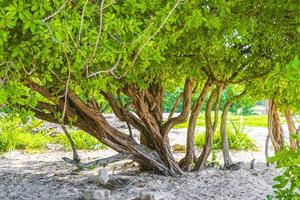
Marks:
<point>237,139</point>
<point>15,135</point>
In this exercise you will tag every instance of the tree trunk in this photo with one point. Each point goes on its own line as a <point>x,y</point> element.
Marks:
<point>147,105</point>
<point>190,146</point>
<point>274,126</point>
<point>228,163</point>
<point>225,147</point>
<point>291,127</point>
<point>267,150</point>
<point>210,127</point>
<point>75,153</point>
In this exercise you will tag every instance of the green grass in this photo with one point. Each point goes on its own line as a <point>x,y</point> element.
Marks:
<point>14,135</point>
<point>237,141</point>
<point>249,121</point>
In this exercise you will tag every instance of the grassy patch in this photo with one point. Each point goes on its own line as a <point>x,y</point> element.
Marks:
<point>237,141</point>
<point>249,121</point>
<point>14,135</point>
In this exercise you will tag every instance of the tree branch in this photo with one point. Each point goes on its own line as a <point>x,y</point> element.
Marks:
<point>56,12</point>
<point>97,40</point>
<point>187,94</point>
<point>175,106</point>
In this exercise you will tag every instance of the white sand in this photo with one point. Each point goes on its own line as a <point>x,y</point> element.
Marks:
<point>46,176</point>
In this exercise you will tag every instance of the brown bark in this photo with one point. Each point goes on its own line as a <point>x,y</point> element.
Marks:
<point>228,163</point>
<point>225,147</point>
<point>190,146</point>
<point>210,127</point>
<point>183,116</point>
<point>75,153</point>
<point>291,127</point>
<point>103,162</point>
<point>91,120</point>
<point>274,127</point>
<point>175,106</point>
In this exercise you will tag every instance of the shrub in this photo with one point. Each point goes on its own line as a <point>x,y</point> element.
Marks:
<point>237,141</point>
<point>288,183</point>
<point>16,135</point>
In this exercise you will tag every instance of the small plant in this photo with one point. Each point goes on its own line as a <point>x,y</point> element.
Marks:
<point>288,183</point>
<point>214,162</point>
<point>236,140</point>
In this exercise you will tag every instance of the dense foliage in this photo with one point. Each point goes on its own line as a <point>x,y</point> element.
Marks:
<point>288,183</point>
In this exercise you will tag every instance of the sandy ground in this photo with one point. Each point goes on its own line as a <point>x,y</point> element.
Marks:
<point>46,176</point>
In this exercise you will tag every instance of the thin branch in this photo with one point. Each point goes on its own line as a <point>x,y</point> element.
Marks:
<point>26,72</point>
<point>175,105</point>
<point>156,32</point>
<point>53,37</point>
<point>56,12</point>
<point>57,76</point>
<point>81,21</point>
<point>135,40</point>
<point>97,40</point>
<point>7,63</point>
<point>109,71</point>
<point>67,88</point>
<point>187,95</point>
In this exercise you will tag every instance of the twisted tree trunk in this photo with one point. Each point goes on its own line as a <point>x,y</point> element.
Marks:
<point>225,147</point>
<point>210,127</point>
<point>228,163</point>
<point>190,156</point>
<point>274,126</point>
<point>291,127</point>
<point>147,118</point>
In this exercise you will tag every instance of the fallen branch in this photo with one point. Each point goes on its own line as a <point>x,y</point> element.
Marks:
<point>103,162</point>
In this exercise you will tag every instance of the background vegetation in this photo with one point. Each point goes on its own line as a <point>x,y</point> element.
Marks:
<point>32,137</point>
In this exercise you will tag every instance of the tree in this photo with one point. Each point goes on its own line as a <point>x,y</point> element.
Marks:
<point>62,61</point>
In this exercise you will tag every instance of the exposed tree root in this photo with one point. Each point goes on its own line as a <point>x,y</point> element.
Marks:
<point>252,164</point>
<point>98,163</point>
<point>232,167</point>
